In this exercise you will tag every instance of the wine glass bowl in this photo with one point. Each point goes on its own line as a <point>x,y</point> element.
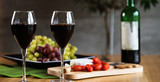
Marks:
<point>62,27</point>
<point>23,26</point>
<point>62,33</point>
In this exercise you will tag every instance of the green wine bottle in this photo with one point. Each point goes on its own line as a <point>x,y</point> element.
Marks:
<point>130,33</point>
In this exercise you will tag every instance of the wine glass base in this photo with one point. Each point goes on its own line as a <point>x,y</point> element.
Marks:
<point>61,80</point>
<point>23,81</point>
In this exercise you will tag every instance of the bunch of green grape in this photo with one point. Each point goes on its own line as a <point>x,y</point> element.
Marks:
<point>69,52</point>
<point>44,49</point>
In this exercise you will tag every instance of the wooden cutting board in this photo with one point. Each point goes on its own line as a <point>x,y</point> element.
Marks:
<point>84,74</point>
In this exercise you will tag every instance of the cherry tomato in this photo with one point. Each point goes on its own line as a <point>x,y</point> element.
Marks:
<point>88,65</point>
<point>97,67</point>
<point>77,68</point>
<point>89,68</point>
<point>103,62</point>
<point>83,68</point>
<point>105,66</point>
<point>96,60</point>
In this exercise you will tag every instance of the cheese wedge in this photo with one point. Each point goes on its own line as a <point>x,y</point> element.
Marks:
<point>81,62</point>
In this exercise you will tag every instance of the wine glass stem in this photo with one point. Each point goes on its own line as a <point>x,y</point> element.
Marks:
<point>62,66</point>
<point>24,65</point>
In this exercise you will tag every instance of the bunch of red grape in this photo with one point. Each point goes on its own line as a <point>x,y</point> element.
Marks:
<point>44,49</point>
<point>49,53</point>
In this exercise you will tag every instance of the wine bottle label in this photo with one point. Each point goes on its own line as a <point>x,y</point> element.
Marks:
<point>129,34</point>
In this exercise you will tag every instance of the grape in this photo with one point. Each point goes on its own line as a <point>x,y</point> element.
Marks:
<point>44,38</point>
<point>52,43</point>
<point>36,54</point>
<point>40,59</point>
<point>54,59</point>
<point>33,42</point>
<point>46,51</point>
<point>40,45</point>
<point>74,48</point>
<point>45,59</point>
<point>47,46</point>
<point>33,46</point>
<point>30,56</point>
<point>74,57</point>
<point>66,57</point>
<point>66,53</point>
<point>40,55</point>
<point>31,49</point>
<point>27,58</point>
<point>38,37</point>
<point>52,55</point>
<point>46,41</point>
<point>59,58</point>
<point>57,54</point>
<point>34,59</point>
<point>49,40</point>
<point>67,49</point>
<point>57,45</point>
<point>39,42</point>
<point>69,44</point>
<point>43,44</point>
<point>40,49</point>
<point>72,51</point>
<point>28,52</point>
<point>54,49</point>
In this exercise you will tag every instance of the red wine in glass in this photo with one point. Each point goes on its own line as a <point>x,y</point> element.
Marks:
<point>62,33</point>
<point>23,34</point>
<point>62,26</point>
<point>23,26</point>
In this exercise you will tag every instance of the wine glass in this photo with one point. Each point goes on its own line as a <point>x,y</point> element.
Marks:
<point>23,26</point>
<point>62,27</point>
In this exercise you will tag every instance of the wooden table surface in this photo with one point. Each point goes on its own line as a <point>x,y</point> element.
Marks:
<point>151,72</point>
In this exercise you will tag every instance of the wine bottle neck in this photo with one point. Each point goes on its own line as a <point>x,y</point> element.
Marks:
<point>130,3</point>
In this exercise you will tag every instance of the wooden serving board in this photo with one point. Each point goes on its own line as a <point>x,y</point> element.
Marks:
<point>84,74</point>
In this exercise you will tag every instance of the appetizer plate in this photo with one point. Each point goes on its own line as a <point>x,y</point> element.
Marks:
<point>36,64</point>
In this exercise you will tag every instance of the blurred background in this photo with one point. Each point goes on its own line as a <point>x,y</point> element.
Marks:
<point>89,34</point>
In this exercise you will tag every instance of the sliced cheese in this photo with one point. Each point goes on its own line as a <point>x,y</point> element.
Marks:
<point>81,62</point>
